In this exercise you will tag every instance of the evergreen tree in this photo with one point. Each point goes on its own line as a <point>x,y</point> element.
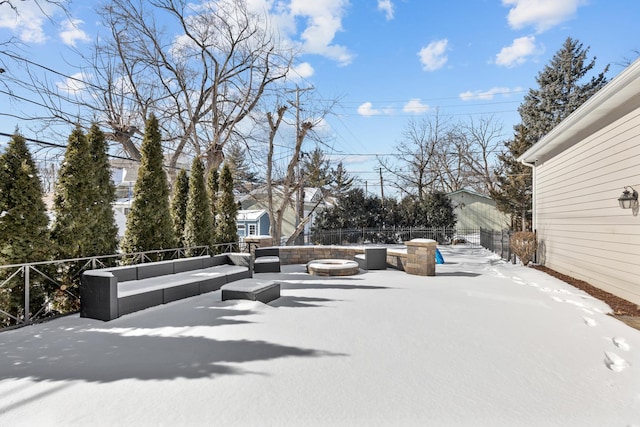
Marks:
<point>315,169</point>
<point>149,225</point>
<point>179,205</point>
<point>72,230</point>
<point>342,182</point>
<point>439,210</point>
<point>198,225</point>
<point>24,235</point>
<point>560,91</point>
<point>514,181</point>
<point>412,212</point>
<point>243,175</point>
<point>226,209</point>
<point>104,228</point>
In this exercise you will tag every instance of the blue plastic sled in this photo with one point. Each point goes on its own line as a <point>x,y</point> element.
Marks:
<point>439,259</point>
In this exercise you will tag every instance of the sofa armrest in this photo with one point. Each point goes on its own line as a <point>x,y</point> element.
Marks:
<point>99,295</point>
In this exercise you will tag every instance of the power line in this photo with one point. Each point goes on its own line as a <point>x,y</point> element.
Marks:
<point>54,145</point>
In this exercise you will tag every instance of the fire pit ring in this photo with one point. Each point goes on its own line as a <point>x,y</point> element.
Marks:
<point>332,267</point>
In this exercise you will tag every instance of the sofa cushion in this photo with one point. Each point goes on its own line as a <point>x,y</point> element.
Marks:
<point>154,269</point>
<point>187,264</point>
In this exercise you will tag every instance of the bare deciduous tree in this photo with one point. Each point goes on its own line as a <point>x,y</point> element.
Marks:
<point>413,164</point>
<point>201,68</point>
<point>437,154</point>
<point>480,142</point>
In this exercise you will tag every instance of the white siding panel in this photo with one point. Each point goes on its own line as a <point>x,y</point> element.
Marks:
<point>582,230</point>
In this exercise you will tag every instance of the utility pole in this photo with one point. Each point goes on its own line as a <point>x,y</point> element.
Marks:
<point>382,197</point>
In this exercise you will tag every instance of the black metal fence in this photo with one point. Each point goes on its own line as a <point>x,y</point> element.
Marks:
<point>497,241</point>
<point>394,235</point>
<point>36,291</point>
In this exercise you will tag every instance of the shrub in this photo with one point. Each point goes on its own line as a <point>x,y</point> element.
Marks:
<point>524,245</point>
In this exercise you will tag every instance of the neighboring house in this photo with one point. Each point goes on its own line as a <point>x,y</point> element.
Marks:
<point>252,223</point>
<point>124,194</point>
<point>579,170</point>
<point>474,210</point>
<point>313,198</point>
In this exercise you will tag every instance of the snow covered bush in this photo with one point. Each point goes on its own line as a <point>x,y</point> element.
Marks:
<point>524,245</point>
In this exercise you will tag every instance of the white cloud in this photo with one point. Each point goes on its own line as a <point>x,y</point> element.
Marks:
<point>71,32</point>
<point>414,106</point>
<point>303,70</point>
<point>434,55</point>
<point>367,110</point>
<point>29,22</point>
<point>323,20</point>
<point>73,85</point>
<point>386,6</point>
<point>540,14</point>
<point>518,52</point>
<point>488,94</point>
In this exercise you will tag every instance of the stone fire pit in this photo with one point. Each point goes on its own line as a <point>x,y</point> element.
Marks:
<point>332,267</point>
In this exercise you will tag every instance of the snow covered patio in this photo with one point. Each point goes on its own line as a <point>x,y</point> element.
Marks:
<point>483,343</point>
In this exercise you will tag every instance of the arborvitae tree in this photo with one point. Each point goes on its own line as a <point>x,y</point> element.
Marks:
<point>560,91</point>
<point>227,209</point>
<point>24,235</point>
<point>243,175</point>
<point>72,230</point>
<point>559,94</point>
<point>198,226</point>
<point>104,228</point>
<point>213,186</point>
<point>149,225</point>
<point>179,205</point>
<point>514,179</point>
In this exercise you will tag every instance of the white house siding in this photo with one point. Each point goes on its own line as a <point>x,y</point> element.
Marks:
<point>581,229</point>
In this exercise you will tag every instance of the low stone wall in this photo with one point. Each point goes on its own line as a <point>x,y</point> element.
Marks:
<point>419,258</point>
<point>303,254</point>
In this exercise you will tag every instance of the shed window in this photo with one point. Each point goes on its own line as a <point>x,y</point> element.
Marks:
<point>252,229</point>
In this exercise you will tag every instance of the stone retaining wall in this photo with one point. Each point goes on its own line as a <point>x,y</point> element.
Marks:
<point>420,258</point>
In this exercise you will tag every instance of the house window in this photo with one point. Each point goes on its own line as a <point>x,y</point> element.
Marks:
<point>241,230</point>
<point>252,229</point>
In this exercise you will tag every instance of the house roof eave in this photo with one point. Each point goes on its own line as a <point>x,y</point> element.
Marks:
<point>616,99</point>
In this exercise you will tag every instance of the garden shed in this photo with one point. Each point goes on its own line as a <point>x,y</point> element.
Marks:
<point>580,169</point>
<point>475,210</point>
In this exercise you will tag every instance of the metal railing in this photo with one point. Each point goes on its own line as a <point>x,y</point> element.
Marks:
<point>33,292</point>
<point>497,241</point>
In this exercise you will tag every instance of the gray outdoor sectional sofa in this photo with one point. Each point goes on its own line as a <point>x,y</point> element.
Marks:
<point>109,293</point>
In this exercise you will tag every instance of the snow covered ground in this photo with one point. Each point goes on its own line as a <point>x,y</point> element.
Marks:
<point>484,343</point>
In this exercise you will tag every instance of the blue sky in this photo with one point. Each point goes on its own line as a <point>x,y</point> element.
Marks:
<point>389,61</point>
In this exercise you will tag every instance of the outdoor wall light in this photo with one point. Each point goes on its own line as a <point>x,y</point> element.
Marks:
<point>628,199</point>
